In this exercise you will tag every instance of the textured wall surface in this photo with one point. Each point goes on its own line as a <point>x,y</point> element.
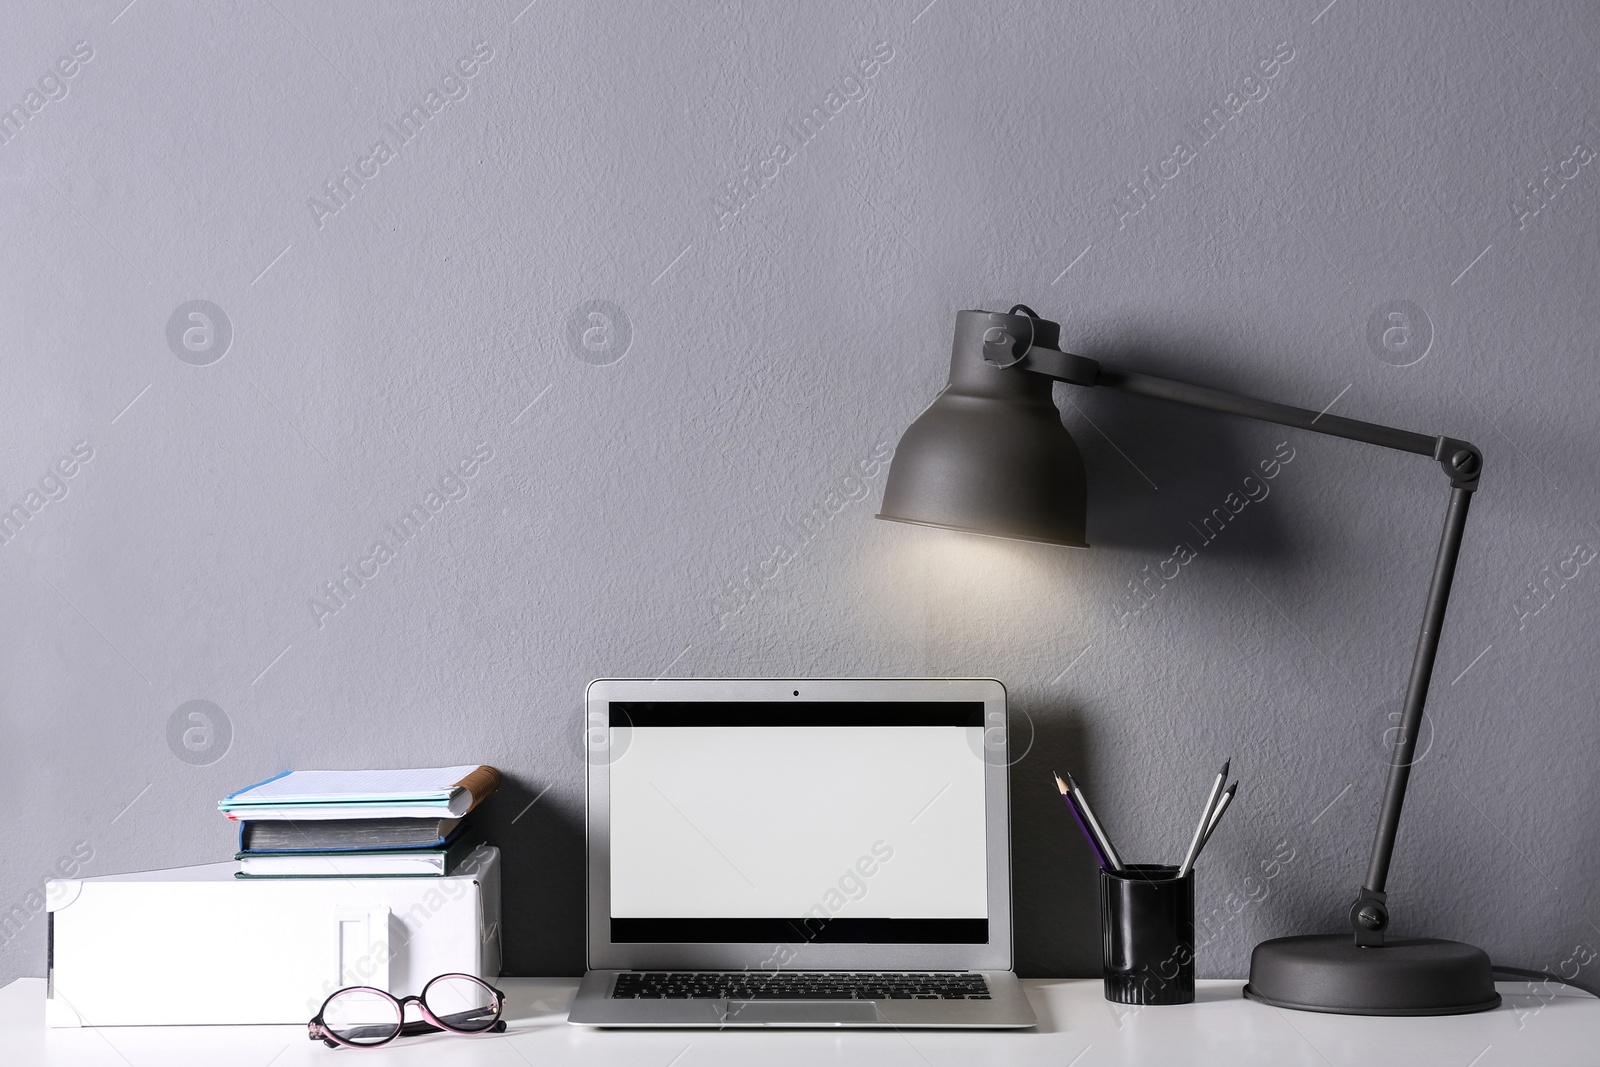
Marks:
<point>560,243</point>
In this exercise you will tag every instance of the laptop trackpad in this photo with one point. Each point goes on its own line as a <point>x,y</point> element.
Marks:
<point>801,1012</point>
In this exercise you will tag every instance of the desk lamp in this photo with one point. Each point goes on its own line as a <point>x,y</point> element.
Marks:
<point>991,456</point>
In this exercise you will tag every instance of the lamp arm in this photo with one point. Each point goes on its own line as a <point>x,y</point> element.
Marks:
<point>1461,462</point>
<point>1369,915</point>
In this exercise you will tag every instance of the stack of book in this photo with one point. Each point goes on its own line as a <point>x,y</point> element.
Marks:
<point>351,824</point>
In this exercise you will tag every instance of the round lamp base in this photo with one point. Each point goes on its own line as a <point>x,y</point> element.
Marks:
<point>1405,976</point>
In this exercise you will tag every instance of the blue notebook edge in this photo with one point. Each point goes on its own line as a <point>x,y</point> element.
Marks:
<point>434,798</point>
<point>258,785</point>
<point>455,857</point>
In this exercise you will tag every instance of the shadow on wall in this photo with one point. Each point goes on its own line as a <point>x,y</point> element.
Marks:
<point>1163,475</point>
<point>1055,885</point>
<point>541,914</point>
<point>1055,881</point>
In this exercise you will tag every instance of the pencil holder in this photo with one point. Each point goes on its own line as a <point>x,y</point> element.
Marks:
<point>1147,934</point>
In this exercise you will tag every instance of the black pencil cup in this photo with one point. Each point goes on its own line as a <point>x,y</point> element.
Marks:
<point>1147,934</point>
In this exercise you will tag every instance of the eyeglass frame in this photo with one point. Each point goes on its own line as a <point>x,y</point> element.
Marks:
<point>428,1024</point>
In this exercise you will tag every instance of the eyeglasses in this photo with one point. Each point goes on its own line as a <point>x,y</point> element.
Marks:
<point>364,1017</point>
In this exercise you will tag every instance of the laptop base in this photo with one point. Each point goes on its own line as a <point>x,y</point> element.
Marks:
<point>1007,1008</point>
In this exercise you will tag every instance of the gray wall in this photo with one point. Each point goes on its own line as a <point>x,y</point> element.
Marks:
<point>640,474</point>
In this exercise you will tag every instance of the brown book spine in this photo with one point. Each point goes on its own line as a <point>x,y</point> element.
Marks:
<point>480,783</point>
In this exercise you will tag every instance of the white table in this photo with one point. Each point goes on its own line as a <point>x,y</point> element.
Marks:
<point>1077,1028</point>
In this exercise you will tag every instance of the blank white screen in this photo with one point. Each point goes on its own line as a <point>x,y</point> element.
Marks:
<point>770,821</point>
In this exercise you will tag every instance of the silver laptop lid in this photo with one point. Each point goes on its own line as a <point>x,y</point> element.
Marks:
<point>815,824</point>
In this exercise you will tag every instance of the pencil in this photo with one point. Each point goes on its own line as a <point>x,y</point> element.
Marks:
<point>1094,823</point>
<point>1216,816</point>
<point>1077,817</point>
<point>1205,820</point>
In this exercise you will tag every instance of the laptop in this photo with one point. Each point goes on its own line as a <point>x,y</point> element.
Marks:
<point>807,853</point>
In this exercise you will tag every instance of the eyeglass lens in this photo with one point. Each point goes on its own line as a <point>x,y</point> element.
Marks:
<point>462,1003</point>
<point>361,1016</point>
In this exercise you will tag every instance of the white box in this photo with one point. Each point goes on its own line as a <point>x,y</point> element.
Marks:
<point>199,945</point>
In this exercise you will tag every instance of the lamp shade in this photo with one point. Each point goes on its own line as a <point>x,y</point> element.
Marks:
<point>990,455</point>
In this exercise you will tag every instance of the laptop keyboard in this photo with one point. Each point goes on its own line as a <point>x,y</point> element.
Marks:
<point>799,985</point>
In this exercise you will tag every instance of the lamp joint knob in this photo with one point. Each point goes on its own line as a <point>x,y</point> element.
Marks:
<point>1369,917</point>
<point>1461,462</point>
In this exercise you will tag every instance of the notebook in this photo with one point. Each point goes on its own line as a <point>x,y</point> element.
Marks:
<point>343,835</point>
<point>426,793</point>
<point>435,862</point>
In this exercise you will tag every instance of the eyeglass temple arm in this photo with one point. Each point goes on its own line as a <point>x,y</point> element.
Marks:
<point>1461,462</point>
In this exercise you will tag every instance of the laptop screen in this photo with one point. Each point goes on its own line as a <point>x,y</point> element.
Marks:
<point>834,822</point>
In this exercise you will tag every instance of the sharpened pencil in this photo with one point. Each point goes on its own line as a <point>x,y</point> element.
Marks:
<point>1077,817</point>
<point>1094,823</point>
<point>1216,816</point>
<point>1205,820</point>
